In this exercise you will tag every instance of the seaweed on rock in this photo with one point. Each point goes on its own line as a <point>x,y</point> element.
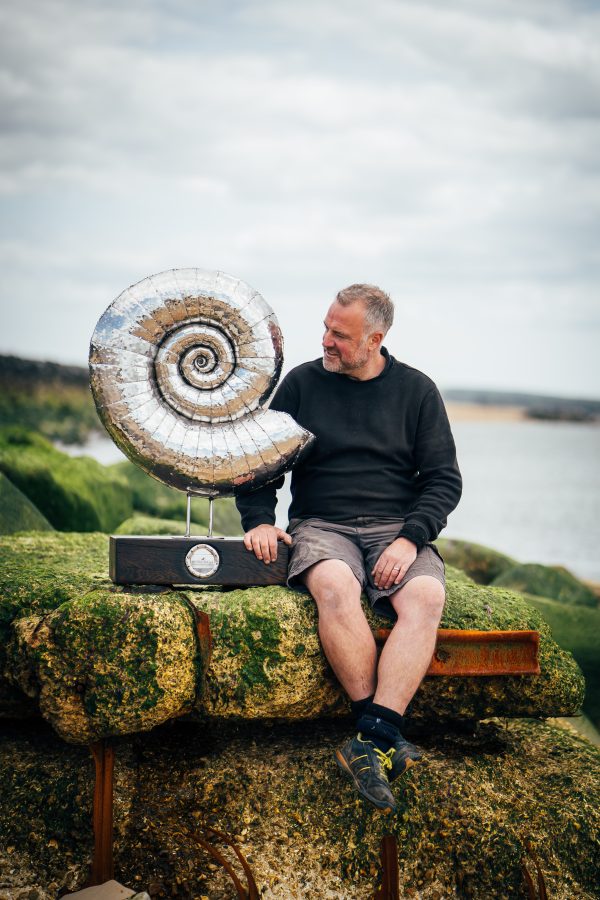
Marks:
<point>75,641</point>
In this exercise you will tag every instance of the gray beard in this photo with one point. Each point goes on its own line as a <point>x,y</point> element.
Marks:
<point>336,365</point>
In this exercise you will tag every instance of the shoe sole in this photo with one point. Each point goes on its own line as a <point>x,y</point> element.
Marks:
<point>343,765</point>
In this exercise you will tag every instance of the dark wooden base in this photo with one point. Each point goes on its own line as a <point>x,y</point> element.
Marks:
<point>162,560</point>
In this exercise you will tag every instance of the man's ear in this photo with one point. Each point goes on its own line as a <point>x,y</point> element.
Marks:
<point>376,339</point>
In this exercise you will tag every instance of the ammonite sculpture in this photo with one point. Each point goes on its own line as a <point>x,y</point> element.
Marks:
<point>180,366</point>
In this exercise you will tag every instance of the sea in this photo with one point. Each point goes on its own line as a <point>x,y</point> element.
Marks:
<point>531,490</point>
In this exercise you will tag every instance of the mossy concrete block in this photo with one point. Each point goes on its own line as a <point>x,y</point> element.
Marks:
<point>108,663</point>
<point>559,686</point>
<point>470,816</point>
<point>267,660</point>
<point>38,572</point>
<point>17,512</point>
<point>554,582</point>
<point>482,564</point>
<point>73,493</point>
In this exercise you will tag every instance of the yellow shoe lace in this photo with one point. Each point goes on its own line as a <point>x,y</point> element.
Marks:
<point>385,758</point>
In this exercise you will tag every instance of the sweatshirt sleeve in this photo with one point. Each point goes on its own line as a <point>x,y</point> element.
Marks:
<point>438,476</point>
<point>258,507</point>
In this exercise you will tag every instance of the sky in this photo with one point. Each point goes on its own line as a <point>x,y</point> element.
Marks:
<point>446,151</point>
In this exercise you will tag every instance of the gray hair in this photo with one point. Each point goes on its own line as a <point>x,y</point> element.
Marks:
<point>379,309</point>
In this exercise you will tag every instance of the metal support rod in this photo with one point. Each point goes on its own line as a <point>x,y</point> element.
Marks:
<point>210,516</point>
<point>102,863</point>
<point>390,875</point>
<point>188,514</point>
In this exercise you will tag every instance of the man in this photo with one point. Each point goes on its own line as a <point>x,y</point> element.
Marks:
<point>372,492</point>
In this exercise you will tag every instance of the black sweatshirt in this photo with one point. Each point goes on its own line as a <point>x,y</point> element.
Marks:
<point>383,448</point>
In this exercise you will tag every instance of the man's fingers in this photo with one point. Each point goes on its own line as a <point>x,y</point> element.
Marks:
<point>265,547</point>
<point>255,542</point>
<point>262,540</point>
<point>382,572</point>
<point>387,575</point>
<point>388,572</point>
<point>403,570</point>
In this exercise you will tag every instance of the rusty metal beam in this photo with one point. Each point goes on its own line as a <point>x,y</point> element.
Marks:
<point>461,652</point>
<point>390,874</point>
<point>102,863</point>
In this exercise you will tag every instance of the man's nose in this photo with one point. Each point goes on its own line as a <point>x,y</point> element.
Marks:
<point>328,340</point>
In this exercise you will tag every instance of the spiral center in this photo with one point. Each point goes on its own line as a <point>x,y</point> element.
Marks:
<point>192,362</point>
<point>202,360</point>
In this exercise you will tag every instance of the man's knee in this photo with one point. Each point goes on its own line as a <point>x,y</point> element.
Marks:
<point>334,586</point>
<point>422,596</point>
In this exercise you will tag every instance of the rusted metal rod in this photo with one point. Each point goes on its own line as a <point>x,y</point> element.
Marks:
<point>390,875</point>
<point>468,652</point>
<point>102,862</point>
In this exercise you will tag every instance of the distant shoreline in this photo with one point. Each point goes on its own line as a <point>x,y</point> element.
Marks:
<point>480,412</point>
<point>489,412</point>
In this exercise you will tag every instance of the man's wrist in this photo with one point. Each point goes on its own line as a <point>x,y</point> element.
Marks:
<point>414,533</point>
<point>254,522</point>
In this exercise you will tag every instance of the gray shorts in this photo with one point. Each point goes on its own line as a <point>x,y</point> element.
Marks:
<point>358,542</point>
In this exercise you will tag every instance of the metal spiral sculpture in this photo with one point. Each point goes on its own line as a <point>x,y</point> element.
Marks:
<point>180,365</point>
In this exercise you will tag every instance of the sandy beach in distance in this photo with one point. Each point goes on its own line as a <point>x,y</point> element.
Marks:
<point>478,412</point>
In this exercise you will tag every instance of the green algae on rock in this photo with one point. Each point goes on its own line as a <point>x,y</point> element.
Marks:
<point>466,820</point>
<point>17,512</point>
<point>73,493</point>
<point>482,564</point>
<point>554,582</point>
<point>267,660</point>
<point>577,629</point>
<point>39,572</point>
<point>108,663</point>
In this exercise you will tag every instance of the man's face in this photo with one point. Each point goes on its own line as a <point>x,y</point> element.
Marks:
<point>346,339</point>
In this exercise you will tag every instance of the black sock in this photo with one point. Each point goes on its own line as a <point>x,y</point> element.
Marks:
<point>380,725</point>
<point>389,715</point>
<point>358,707</point>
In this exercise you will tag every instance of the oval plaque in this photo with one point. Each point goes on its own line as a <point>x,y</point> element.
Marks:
<point>202,560</point>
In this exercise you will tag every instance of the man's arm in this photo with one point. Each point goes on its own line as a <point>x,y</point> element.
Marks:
<point>440,484</point>
<point>438,477</point>
<point>257,509</point>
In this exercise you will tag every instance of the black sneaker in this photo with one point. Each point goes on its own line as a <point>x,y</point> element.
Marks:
<point>403,755</point>
<point>366,765</point>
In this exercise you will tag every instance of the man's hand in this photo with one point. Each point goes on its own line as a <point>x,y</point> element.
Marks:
<point>392,565</point>
<point>263,541</point>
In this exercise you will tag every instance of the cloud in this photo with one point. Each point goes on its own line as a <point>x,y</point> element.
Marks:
<point>447,151</point>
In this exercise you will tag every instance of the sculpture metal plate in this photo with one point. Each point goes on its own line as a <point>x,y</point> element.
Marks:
<point>202,560</point>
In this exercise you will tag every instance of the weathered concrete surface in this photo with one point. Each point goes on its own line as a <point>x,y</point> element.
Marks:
<point>466,815</point>
<point>101,661</point>
<point>267,660</point>
<point>108,664</point>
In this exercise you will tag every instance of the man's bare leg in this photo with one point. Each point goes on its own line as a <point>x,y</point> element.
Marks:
<point>408,650</point>
<point>345,634</point>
